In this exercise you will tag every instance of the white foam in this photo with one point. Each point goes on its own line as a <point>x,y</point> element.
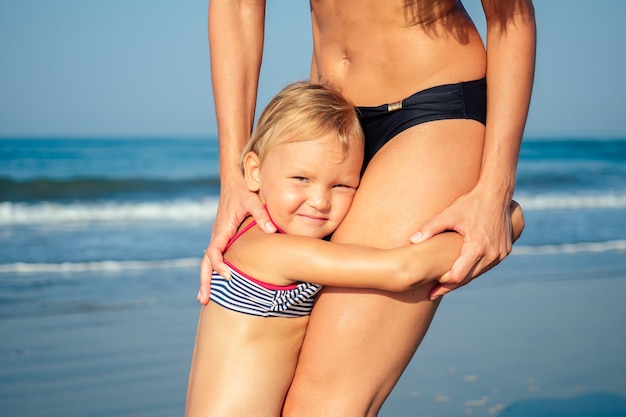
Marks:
<point>108,265</point>
<point>610,200</point>
<point>46,212</point>
<point>12,213</point>
<point>113,266</point>
<point>570,248</point>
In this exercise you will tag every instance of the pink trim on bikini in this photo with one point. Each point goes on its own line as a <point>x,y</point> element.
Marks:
<point>266,285</point>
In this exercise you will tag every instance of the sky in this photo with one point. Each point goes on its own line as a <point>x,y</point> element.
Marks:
<point>140,68</point>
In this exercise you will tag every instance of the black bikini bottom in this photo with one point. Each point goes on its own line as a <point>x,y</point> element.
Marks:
<point>464,100</point>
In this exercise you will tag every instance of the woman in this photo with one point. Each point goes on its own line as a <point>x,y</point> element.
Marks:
<point>433,166</point>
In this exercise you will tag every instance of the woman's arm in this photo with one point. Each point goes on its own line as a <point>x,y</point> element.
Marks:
<point>236,32</point>
<point>282,259</point>
<point>482,216</point>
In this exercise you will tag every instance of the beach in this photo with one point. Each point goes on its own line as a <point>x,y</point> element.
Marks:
<point>495,346</point>
<point>100,242</point>
<point>519,336</point>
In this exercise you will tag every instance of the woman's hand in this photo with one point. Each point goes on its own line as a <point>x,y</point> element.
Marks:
<point>482,216</point>
<point>484,221</point>
<point>236,203</point>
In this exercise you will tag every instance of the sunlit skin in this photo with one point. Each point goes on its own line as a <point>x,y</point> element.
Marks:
<point>447,174</point>
<point>242,364</point>
<point>311,185</point>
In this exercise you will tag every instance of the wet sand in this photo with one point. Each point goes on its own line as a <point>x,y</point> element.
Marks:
<point>531,338</point>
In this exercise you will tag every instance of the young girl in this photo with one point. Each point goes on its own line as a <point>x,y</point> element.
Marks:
<point>304,161</point>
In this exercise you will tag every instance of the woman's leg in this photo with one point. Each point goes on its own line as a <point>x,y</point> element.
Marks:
<point>359,341</point>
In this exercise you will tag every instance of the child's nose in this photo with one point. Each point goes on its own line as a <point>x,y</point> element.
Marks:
<point>320,199</point>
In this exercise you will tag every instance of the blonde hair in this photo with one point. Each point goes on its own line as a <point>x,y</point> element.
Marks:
<point>305,111</point>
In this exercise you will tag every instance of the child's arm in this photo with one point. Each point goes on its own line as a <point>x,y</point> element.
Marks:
<point>283,259</point>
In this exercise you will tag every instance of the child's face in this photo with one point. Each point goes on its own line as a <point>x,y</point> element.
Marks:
<point>308,186</point>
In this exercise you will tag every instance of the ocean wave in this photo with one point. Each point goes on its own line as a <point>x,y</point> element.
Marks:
<point>572,201</point>
<point>96,188</point>
<point>114,266</point>
<point>188,210</point>
<point>12,214</point>
<point>571,248</point>
<point>107,265</point>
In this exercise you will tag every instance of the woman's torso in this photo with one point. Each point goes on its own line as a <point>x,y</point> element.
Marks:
<point>381,51</point>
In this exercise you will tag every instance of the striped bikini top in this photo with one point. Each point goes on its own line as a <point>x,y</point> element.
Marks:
<point>248,295</point>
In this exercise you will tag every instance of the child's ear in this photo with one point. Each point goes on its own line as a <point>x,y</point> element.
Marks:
<point>252,171</point>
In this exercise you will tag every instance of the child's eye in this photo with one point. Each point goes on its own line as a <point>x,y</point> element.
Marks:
<point>301,179</point>
<point>343,186</point>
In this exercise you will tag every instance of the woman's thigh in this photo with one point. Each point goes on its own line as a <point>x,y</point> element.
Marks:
<point>359,341</point>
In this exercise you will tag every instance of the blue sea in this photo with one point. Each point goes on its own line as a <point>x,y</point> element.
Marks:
<point>100,242</point>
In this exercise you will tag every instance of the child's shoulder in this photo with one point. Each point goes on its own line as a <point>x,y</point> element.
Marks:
<point>258,254</point>
<point>247,230</point>
<point>249,241</point>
